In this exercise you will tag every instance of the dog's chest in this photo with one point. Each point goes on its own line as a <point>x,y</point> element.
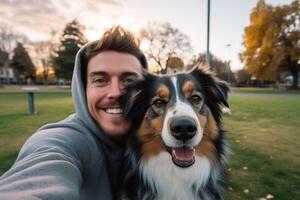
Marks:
<point>177,194</point>
<point>170,182</point>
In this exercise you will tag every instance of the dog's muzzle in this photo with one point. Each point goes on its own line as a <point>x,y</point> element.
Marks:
<point>183,129</point>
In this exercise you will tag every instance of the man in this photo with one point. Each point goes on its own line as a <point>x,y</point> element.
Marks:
<point>79,157</point>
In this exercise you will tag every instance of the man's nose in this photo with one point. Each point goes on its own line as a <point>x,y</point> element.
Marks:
<point>115,90</point>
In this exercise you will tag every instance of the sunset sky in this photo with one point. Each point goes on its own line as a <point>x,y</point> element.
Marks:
<point>36,19</point>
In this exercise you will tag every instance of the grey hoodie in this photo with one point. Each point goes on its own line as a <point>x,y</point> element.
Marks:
<point>70,159</point>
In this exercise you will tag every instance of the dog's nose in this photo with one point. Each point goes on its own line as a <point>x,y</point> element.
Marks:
<point>183,128</point>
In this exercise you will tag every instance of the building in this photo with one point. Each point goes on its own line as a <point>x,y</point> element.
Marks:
<point>174,65</point>
<point>7,74</point>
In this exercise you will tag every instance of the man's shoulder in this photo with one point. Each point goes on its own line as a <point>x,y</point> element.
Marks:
<point>66,137</point>
<point>70,130</point>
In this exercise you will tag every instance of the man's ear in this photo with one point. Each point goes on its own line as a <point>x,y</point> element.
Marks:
<point>135,101</point>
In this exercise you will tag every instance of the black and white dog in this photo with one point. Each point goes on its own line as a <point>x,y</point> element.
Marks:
<point>178,150</point>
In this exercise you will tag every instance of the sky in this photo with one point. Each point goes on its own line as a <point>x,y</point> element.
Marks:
<point>37,18</point>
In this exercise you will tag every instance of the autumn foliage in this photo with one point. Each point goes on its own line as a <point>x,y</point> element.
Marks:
<point>272,41</point>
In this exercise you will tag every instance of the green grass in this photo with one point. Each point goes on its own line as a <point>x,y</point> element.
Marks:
<point>17,125</point>
<point>263,132</point>
<point>265,138</point>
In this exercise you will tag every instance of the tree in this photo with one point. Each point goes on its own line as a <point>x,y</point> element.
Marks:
<point>22,62</point>
<point>9,38</point>
<point>288,49</point>
<point>70,42</point>
<point>272,41</point>
<point>45,53</point>
<point>220,67</point>
<point>243,77</point>
<point>163,41</point>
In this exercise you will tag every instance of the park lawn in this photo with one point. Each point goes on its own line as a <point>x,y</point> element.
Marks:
<point>17,125</point>
<point>263,133</point>
<point>265,139</point>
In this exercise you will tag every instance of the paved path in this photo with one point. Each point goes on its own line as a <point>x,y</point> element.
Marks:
<point>270,95</point>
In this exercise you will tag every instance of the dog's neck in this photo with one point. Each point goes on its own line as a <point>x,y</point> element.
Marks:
<point>171,182</point>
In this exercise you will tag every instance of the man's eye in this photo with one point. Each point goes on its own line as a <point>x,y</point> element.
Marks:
<point>196,99</point>
<point>100,81</point>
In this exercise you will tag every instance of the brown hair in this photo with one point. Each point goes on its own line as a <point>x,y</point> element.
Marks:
<point>115,39</point>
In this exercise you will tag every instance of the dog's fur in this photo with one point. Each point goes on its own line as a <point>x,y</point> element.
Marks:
<point>158,163</point>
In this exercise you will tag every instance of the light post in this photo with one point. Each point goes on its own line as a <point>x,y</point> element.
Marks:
<point>228,64</point>
<point>207,57</point>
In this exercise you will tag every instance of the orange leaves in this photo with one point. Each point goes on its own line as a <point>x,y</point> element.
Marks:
<point>272,37</point>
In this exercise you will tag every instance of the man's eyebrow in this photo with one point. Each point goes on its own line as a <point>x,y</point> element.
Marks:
<point>97,73</point>
<point>103,73</point>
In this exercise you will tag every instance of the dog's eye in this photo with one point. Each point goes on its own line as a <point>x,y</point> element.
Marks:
<point>159,103</point>
<point>196,99</point>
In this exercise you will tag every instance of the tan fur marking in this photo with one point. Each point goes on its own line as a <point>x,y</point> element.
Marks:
<point>210,133</point>
<point>209,125</point>
<point>150,136</point>
<point>152,148</point>
<point>202,120</point>
<point>163,92</point>
<point>188,87</point>
<point>207,148</point>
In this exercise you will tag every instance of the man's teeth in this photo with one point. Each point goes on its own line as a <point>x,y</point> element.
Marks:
<point>114,110</point>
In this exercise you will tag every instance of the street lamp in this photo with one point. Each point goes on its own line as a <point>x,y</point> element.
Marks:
<point>228,64</point>
<point>207,57</point>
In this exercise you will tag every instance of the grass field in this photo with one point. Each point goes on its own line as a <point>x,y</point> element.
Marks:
<point>262,131</point>
<point>16,125</point>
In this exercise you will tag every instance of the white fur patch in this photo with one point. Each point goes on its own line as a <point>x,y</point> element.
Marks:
<point>172,182</point>
<point>180,109</point>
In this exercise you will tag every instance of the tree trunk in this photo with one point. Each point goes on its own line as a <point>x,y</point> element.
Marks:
<point>295,79</point>
<point>294,69</point>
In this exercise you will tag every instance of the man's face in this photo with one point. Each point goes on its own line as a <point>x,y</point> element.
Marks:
<point>107,74</point>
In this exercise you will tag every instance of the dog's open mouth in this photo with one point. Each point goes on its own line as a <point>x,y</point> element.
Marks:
<point>183,156</point>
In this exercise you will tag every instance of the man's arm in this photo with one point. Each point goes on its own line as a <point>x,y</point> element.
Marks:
<point>47,167</point>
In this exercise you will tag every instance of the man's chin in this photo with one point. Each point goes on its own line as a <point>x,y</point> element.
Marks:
<point>116,131</point>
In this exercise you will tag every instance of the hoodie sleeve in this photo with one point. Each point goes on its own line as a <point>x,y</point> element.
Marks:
<point>48,167</point>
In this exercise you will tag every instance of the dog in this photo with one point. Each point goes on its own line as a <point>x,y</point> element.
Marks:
<point>177,149</point>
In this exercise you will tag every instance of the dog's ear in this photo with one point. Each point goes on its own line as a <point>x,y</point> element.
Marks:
<point>224,89</point>
<point>215,90</point>
<point>135,101</point>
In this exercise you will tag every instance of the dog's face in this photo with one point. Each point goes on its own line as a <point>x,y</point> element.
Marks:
<point>178,114</point>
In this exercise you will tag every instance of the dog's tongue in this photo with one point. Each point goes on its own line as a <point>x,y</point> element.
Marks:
<point>183,153</point>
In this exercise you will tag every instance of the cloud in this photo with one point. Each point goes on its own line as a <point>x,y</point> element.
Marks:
<point>36,18</point>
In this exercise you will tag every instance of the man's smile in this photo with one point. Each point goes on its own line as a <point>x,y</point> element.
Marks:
<point>113,110</point>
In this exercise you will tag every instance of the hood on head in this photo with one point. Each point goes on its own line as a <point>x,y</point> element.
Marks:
<point>80,102</point>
